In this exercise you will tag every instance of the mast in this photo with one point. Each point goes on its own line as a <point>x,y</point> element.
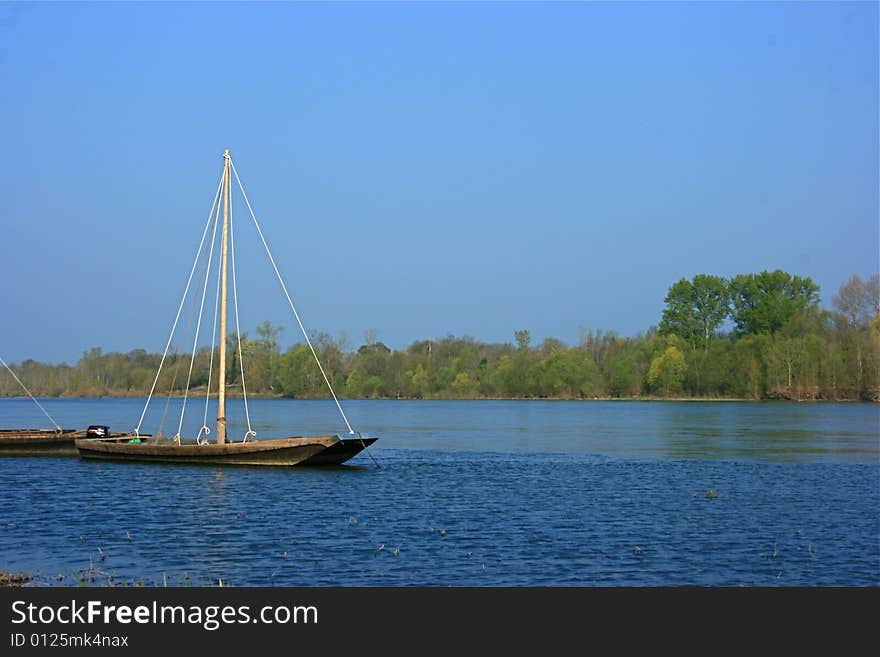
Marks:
<point>221,394</point>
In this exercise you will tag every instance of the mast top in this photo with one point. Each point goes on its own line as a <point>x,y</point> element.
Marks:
<point>226,153</point>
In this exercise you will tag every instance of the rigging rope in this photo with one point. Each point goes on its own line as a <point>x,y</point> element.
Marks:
<point>250,431</point>
<point>289,300</point>
<point>179,308</point>
<point>296,314</point>
<point>24,387</point>
<point>205,428</point>
<point>192,359</point>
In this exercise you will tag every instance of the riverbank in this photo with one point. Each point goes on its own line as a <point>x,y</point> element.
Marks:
<point>130,394</point>
<point>14,579</point>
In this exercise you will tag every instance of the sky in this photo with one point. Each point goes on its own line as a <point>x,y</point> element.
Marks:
<point>421,169</point>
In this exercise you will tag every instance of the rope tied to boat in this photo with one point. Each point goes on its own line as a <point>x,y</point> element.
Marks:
<point>289,300</point>
<point>237,324</point>
<point>369,453</point>
<point>180,306</point>
<point>213,342</point>
<point>34,399</point>
<point>192,359</point>
<point>302,328</point>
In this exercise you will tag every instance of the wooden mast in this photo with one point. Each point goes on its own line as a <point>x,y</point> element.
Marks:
<point>221,395</point>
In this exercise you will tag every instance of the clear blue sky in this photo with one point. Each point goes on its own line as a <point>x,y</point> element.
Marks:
<point>427,168</point>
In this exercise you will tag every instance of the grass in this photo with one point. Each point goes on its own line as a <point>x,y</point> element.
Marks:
<point>96,577</point>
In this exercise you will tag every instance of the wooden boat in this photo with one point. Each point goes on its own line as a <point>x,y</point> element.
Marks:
<point>317,450</point>
<point>332,449</point>
<point>50,442</point>
<point>39,442</point>
<point>45,442</point>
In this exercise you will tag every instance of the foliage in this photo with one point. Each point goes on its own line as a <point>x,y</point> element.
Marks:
<point>696,309</point>
<point>765,302</point>
<point>666,373</point>
<point>784,347</point>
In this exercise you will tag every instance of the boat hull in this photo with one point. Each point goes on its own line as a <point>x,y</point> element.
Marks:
<point>281,452</point>
<point>340,452</point>
<point>39,442</point>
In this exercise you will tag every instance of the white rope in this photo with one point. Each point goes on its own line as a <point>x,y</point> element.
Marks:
<point>24,387</point>
<point>192,359</point>
<point>290,301</point>
<point>205,427</point>
<point>179,308</point>
<point>250,431</point>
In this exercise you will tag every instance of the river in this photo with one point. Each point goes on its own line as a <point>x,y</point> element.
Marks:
<point>477,493</point>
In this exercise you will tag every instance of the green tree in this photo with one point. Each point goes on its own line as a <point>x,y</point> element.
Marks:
<point>667,371</point>
<point>442,379</point>
<point>565,373</point>
<point>747,373</point>
<point>696,309</point>
<point>417,382</point>
<point>297,374</point>
<point>463,385</point>
<point>362,384</point>
<point>765,302</point>
<point>623,375</point>
<point>261,359</point>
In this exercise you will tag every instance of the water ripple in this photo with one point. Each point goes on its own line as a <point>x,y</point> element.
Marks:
<point>447,518</point>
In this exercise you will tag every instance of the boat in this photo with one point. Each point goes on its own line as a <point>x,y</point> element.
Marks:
<point>46,442</point>
<point>39,442</point>
<point>50,442</point>
<point>295,450</point>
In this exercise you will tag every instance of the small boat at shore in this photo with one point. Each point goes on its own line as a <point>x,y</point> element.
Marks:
<point>296,450</point>
<point>50,442</point>
<point>39,442</point>
<point>45,442</point>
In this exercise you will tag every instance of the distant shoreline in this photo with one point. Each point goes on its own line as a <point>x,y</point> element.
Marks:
<point>646,398</point>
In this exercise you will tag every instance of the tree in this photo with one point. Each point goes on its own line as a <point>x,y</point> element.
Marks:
<point>262,357</point>
<point>624,375</point>
<point>667,371</point>
<point>297,373</point>
<point>374,358</point>
<point>765,302</point>
<point>523,338</point>
<point>696,309</point>
<point>564,373</point>
<point>417,382</point>
<point>463,385</point>
<point>857,301</point>
<point>362,384</point>
<point>598,344</point>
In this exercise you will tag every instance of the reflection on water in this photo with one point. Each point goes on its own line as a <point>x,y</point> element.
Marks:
<point>471,494</point>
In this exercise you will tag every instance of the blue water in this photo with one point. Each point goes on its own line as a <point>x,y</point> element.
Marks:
<point>468,493</point>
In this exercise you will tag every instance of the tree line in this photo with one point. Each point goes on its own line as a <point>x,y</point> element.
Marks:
<point>754,336</point>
